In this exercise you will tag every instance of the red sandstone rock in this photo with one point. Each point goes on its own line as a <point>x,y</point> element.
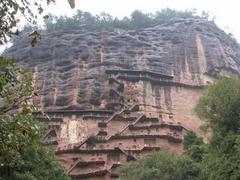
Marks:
<point>114,97</point>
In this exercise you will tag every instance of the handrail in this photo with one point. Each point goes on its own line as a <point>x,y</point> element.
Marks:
<point>152,73</point>
<point>166,82</point>
<point>74,112</point>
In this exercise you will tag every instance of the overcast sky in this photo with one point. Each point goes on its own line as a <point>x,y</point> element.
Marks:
<point>225,11</point>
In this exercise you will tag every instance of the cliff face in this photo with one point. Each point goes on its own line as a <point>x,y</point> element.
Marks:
<point>116,96</point>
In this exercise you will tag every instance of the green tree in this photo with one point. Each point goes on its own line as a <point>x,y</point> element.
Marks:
<point>15,87</point>
<point>194,146</point>
<point>167,15</point>
<point>161,165</point>
<point>219,107</point>
<point>191,139</point>
<point>22,154</point>
<point>222,161</point>
<point>140,20</point>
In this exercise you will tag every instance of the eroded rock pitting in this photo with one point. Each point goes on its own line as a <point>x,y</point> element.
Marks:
<point>113,97</point>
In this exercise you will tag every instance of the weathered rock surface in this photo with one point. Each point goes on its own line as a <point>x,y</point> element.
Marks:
<point>116,96</point>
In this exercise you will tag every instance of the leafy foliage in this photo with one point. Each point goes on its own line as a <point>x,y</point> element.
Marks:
<point>220,106</point>
<point>9,15</point>
<point>22,154</point>
<point>11,11</point>
<point>196,152</point>
<point>222,160</point>
<point>16,87</point>
<point>191,139</point>
<point>161,165</point>
<point>194,146</point>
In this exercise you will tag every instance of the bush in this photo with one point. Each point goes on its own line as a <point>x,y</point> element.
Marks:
<point>161,165</point>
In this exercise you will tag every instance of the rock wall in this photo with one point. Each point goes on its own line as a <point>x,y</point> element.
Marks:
<point>112,97</point>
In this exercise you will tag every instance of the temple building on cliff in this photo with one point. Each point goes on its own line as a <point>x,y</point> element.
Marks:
<point>110,98</point>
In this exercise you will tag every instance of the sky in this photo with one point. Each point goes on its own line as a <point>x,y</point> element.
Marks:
<point>226,12</point>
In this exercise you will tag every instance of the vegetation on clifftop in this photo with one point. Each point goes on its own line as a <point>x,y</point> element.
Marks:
<point>85,21</point>
<point>104,21</point>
